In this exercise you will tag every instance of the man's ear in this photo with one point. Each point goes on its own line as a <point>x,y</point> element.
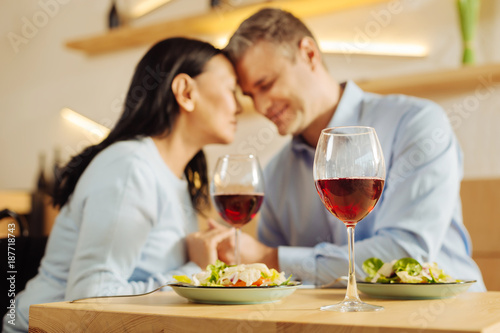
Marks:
<point>184,89</point>
<point>309,51</point>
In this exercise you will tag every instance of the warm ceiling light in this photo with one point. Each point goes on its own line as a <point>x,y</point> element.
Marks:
<point>382,49</point>
<point>221,41</point>
<point>133,9</point>
<point>85,123</point>
<point>348,48</point>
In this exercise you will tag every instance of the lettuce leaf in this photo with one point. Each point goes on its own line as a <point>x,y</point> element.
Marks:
<point>216,269</point>
<point>409,265</point>
<point>371,266</point>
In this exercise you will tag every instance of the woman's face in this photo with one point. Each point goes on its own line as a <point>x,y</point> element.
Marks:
<point>214,116</point>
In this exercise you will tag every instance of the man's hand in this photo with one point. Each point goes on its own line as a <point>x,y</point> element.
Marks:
<point>202,245</point>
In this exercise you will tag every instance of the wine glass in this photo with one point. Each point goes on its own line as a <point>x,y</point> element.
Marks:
<point>237,190</point>
<point>349,174</point>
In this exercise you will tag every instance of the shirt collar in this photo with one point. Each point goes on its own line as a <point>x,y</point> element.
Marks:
<point>347,113</point>
<point>349,107</point>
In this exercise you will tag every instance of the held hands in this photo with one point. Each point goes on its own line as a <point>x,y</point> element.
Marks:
<point>202,245</point>
<point>251,251</point>
<point>217,242</point>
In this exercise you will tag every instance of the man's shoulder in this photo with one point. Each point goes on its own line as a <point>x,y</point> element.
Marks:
<point>401,109</point>
<point>401,102</point>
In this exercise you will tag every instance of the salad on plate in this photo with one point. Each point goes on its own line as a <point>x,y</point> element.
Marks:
<point>405,270</point>
<point>244,275</point>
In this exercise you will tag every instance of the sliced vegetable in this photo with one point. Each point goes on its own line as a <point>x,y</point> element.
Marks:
<point>409,265</point>
<point>404,270</point>
<point>221,275</point>
<point>183,278</point>
<point>372,265</point>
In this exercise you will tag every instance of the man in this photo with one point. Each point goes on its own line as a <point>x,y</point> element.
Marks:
<point>279,65</point>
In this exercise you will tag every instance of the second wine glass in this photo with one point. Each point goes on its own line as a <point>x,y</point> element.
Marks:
<point>349,173</point>
<point>237,190</point>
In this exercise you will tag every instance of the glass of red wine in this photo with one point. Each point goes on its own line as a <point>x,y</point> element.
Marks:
<point>349,174</point>
<point>237,190</point>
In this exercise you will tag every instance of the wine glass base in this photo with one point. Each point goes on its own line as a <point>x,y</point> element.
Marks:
<point>352,306</point>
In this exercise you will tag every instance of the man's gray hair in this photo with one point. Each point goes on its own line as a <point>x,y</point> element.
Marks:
<point>272,25</point>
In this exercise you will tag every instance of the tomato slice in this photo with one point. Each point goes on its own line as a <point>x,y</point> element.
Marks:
<point>259,282</point>
<point>240,283</point>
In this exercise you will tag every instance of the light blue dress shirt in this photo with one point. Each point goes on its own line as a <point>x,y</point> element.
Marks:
<point>419,214</point>
<point>122,231</point>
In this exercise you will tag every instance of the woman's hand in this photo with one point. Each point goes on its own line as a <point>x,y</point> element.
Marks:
<point>202,245</point>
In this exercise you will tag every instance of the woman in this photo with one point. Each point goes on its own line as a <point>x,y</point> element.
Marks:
<point>128,203</point>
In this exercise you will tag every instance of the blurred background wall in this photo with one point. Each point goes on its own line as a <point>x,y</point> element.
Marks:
<point>40,76</point>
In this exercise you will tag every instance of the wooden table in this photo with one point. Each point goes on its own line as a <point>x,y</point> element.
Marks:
<point>168,312</point>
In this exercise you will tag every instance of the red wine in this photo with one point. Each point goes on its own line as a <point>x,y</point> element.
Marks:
<point>350,199</point>
<point>238,209</point>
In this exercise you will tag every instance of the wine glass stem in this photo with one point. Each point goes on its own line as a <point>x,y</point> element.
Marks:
<point>236,246</point>
<point>352,290</point>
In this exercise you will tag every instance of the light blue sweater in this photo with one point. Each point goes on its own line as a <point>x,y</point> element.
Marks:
<point>122,231</point>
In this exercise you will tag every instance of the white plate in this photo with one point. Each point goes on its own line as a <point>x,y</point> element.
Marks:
<point>234,295</point>
<point>414,290</point>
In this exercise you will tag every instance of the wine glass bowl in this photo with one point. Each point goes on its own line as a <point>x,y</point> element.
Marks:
<point>238,209</point>
<point>350,199</point>
<point>349,174</point>
<point>237,190</point>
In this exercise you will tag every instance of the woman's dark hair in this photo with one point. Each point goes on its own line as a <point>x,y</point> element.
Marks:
<point>150,109</point>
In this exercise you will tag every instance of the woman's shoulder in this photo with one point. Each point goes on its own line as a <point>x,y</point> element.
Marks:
<point>121,159</point>
<point>122,153</point>
<point>134,148</point>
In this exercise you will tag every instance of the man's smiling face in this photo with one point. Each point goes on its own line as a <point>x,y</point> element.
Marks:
<point>279,85</point>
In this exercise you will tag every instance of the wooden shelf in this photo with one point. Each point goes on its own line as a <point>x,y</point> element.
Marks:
<point>211,23</point>
<point>422,85</point>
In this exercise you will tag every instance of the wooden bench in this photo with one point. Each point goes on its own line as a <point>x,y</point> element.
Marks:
<point>480,198</point>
